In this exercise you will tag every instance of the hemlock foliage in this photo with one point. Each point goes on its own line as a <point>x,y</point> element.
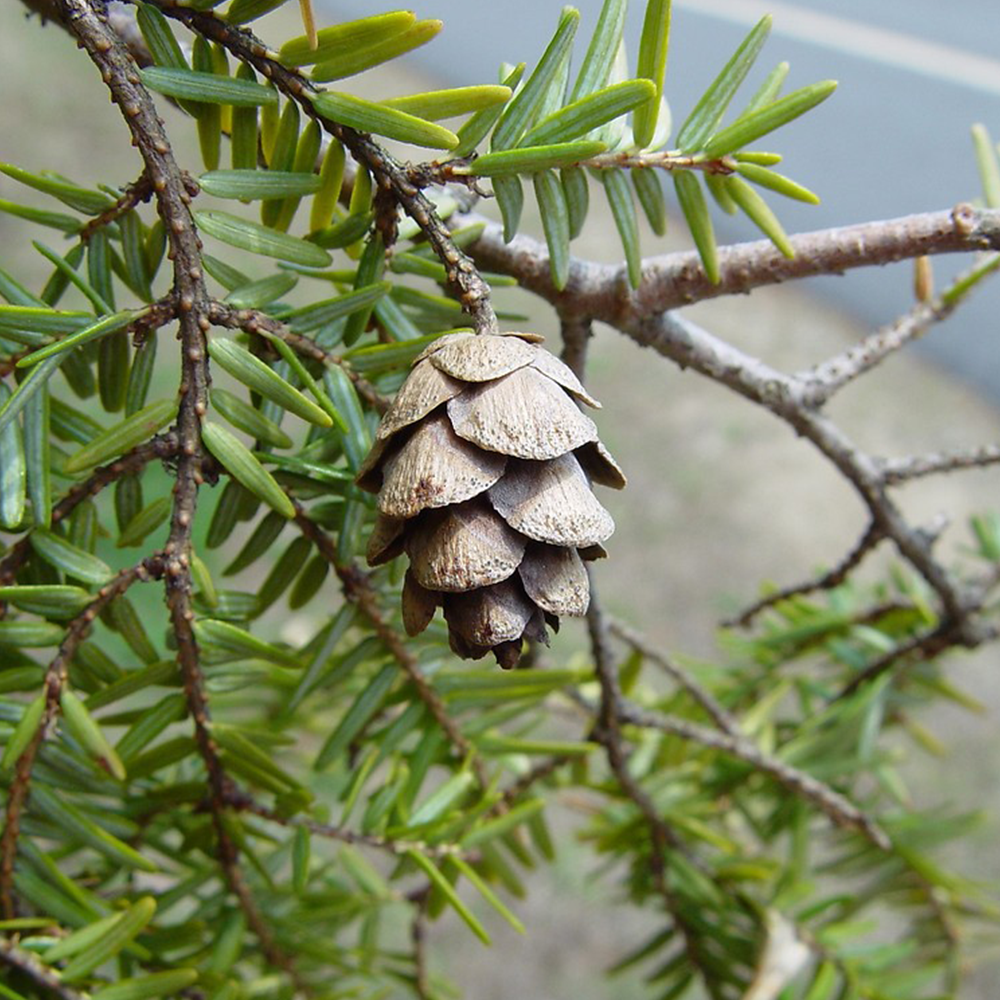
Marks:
<point>203,803</point>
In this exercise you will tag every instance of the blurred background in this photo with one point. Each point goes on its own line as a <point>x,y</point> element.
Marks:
<point>721,497</point>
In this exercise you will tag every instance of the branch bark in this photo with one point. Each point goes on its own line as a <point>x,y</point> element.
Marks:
<point>84,19</point>
<point>601,291</point>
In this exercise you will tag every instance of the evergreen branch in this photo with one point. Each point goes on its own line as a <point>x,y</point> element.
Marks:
<point>53,684</point>
<point>191,298</point>
<point>392,181</point>
<point>839,809</point>
<point>834,373</point>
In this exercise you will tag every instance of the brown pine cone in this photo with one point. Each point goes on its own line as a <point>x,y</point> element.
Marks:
<point>483,466</point>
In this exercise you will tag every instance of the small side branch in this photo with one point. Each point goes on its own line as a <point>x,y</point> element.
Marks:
<point>33,968</point>
<point>903,470</point>
<point>825,379</point>
<point>163,446</point>
<point>134,194</point>
<point>834,373</point>
<point>252,321</point>
<point>52,686</point>
<point>832,578</point>
<point>723,718</point>
<point>840,810</point>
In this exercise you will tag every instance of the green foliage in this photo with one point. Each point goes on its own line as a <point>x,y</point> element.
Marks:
<point>348,783</point>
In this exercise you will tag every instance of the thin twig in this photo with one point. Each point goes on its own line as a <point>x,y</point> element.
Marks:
<point>720,715</point>
<point>903,470</point>
<point>242,802</point>
<point>837,807</point>
<point>138,191</point>
<point>832,578</point>
<point>833,374</point>
<point>253,321</point>
<point>542,770</point>
<point>418,935</point>
<point>32,967</point>
<point>163,446</point>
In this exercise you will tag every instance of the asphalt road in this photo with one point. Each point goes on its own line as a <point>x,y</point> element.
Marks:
<point>914,75</point>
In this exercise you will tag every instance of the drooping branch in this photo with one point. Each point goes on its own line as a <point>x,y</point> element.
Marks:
<point>84,19</point>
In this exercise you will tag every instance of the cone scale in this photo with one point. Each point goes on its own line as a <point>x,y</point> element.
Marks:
<point>483,468</point>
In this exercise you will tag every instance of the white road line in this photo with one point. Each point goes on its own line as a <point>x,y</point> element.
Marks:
<point>882,45</point>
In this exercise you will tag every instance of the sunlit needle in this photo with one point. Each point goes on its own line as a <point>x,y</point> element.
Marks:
<point>309,22</point>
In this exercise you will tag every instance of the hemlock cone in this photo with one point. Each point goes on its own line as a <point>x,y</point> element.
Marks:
<point>483,466</point>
